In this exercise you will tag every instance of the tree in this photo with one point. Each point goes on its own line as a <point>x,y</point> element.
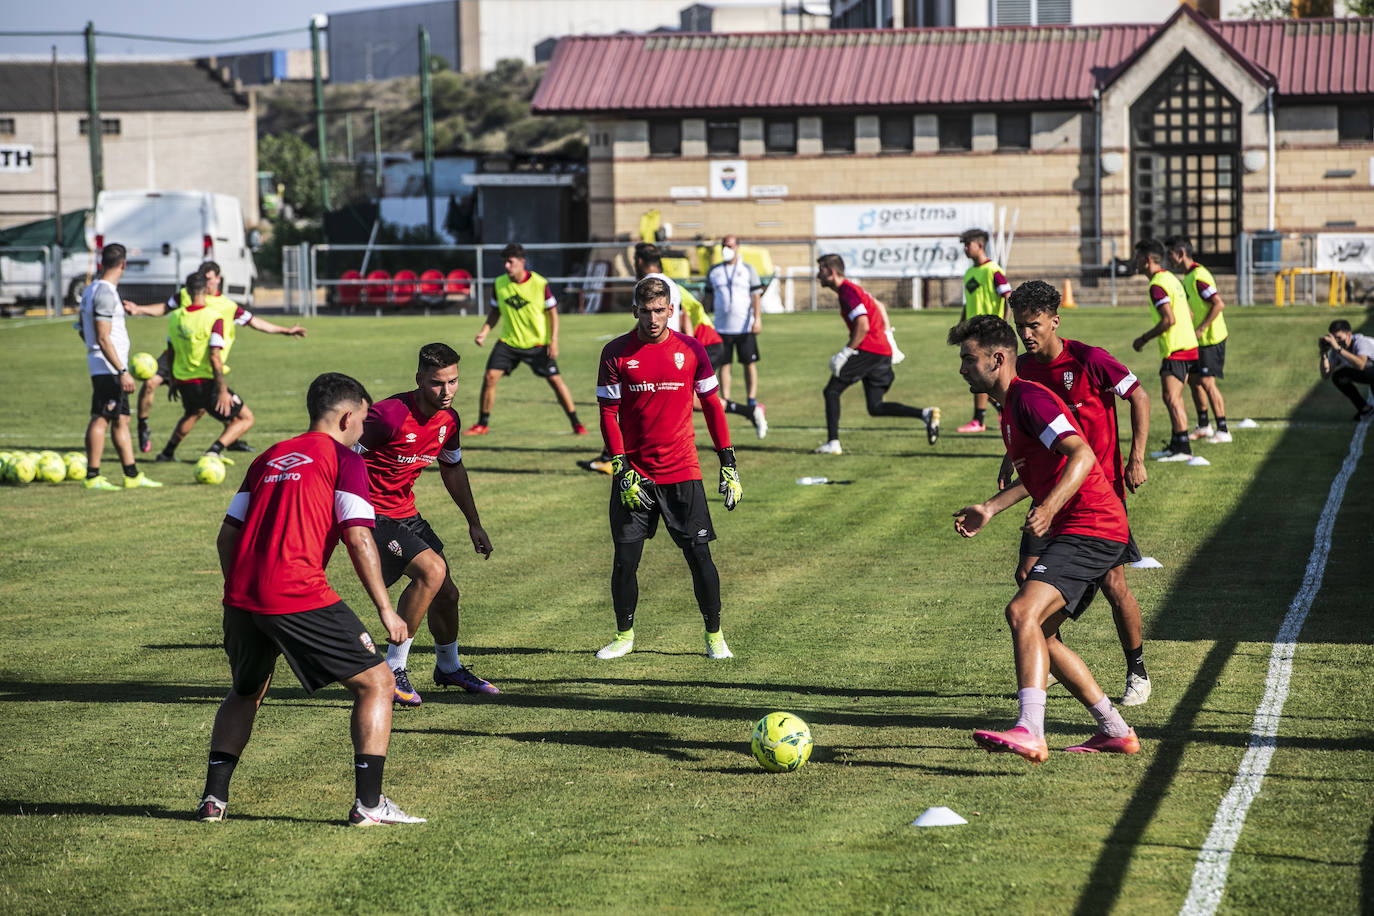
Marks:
<point>1302,9</point>
<point>297,168</point>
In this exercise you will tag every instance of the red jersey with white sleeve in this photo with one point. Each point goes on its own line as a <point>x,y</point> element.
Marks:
<point>1089,380</point>
<point>1033,420</point>
<point>296,499</point>
<point>646,391</point>
<point>855,302</point>
<point>397,444</point>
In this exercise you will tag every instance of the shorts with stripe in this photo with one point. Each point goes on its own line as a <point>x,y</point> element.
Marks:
<point>322,646</point>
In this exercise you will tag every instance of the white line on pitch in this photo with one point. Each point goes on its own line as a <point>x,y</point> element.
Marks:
<point>1214,859</point>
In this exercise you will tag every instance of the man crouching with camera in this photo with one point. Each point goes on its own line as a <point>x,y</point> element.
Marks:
<point>1348,358</point>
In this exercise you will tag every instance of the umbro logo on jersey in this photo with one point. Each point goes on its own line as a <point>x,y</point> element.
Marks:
<point>410,437</point>
<point>631,364</point>
<point>1068,381</point>
<point>287,462</point>
<point>1039,567</point>
<point>679,359</point>
<point>703,533</point>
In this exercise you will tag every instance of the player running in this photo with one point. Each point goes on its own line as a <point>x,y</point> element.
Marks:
<point>1210,326</point>
<point>867,357</point>
<point>1177,345</point>
<point>1084,523</point>
<point>1089,379</point>
<point>300,498</point>
<point>525,305</point>
<point>985,293</point>
<point>404,434</point>
<point>645,387</point>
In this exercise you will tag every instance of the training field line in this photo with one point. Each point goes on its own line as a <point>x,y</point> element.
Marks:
<point>1214,859</point>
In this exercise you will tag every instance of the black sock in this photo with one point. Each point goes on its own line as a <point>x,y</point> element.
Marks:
<point>92,472</point>
<point>170,449</point>
<point>1202,419</point>
<point>130,470</point>
<point>484,419</point>
<point>367,778</point>
<point>215,448</point>
<point>572,418</point>
<point>744,410</point>
<point>1221,425</point>
<point>979,414</point>
<point>1180,443</point>
<point>142,423</point>
<point>1135,661</point>
<point>217,774</point>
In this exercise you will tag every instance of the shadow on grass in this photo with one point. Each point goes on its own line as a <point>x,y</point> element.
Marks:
<point>1237,589</point>
<point>10,807</point>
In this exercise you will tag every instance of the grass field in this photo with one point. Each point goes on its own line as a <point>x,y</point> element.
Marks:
<point>628,785</point>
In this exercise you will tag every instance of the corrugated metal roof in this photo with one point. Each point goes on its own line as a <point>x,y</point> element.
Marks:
<point>154,86</point>
<point>917,67</point>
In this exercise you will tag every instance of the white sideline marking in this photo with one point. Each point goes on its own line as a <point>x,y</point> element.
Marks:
<point>1214,859</point>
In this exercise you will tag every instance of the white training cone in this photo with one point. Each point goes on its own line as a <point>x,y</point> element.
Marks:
<point>1197,461</point>
<point>939,816</point>
<point>1247,423</point>
<point>1147,563</point>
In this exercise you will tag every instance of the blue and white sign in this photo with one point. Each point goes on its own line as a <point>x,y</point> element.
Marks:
<point>892,219</point>
<point>898,257</point>
<point>730,178</point>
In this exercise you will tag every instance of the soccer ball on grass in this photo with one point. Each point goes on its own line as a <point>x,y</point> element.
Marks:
<point>209,469</point>
<point>143,366</point>
<point>781,742</point>
<point>51,468</point>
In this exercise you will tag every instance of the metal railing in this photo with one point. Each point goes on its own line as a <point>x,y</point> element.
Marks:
<point>18,283</point>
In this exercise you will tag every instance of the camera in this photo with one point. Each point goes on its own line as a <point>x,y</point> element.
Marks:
<point>1324,344</point>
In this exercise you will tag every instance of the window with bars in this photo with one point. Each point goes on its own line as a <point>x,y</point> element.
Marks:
<point>1013,130</point>
<point>1032,12</point>
<point>1356,123</point>
<point>665,138</point>
<point>7,127</point>
<point>722,138</point>
<point>109,127</point>
<point>780,136</point>
<point>1186,162</point>
<point>837,135</point>
<point>956,132</point>
<point>895,133</point>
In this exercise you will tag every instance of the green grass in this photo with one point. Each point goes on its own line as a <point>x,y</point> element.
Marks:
<point>628,786</point>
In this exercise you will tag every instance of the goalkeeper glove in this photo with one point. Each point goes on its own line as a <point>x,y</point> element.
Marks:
<point>630,484</point>
<point>839,359</point>
<point>729,479</point>
<point>897,354</point>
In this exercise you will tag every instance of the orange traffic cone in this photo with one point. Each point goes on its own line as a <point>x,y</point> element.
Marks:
<point>1068,302</point>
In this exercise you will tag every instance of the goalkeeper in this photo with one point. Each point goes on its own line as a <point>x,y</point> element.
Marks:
<point>645,387</point>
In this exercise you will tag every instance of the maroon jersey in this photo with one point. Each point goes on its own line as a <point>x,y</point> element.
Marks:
<point>855,302</point>
<point>398,443</point>
<point>1033,420</point>
<point>652,386</point>
<point>296,499</point>
<point>1089,380</point>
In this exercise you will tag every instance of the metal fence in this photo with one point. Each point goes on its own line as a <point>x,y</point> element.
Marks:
<point>32,281</point>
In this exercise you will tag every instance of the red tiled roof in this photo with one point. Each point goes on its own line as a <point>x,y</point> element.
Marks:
<point>830,70</point>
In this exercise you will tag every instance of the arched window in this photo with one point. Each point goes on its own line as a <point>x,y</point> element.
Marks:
<point>1185,133</point>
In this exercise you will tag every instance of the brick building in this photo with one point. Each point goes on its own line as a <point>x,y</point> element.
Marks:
<point>1097,134</point>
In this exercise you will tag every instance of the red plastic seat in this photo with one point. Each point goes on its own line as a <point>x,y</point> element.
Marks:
<point>350,288</point>
<point>378,289</point>
<point>432,284</point>
<point>403,287</point>
<point>458,283</point>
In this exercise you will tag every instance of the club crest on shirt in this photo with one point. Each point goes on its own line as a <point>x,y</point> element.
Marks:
<point>394,547</point>
<point>679,359</point>
<point>366,640</point>
<point>1068,381</point>
<point>443,431</point>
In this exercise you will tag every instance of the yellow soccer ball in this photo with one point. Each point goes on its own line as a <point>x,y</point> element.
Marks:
<point>51,468</point>
<point>23,469</point>
<point>209,469</point>
<point>781,742</point>
<point>143,366</point>
<point>76,466</point>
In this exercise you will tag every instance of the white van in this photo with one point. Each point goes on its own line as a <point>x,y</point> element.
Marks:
<point>168,234</point>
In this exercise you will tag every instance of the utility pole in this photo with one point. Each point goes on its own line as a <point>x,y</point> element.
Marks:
<point>321,142</point>
<point>56,153</point>
<point>93,118</point>
<point>427,109</point>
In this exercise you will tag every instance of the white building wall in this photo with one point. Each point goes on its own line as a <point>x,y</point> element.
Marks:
<point>511,28</point>
<point>975,13</point>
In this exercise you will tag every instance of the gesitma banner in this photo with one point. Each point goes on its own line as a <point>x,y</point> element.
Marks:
<point>1353,254</point>
<point>929,257</point>
<point>897,219</point>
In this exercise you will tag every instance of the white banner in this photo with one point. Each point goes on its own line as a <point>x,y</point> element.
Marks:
<point>16,158</point>
<point>1353,254</point>
<point>729,178</point>
<point>928,257</point>
<point>897,219</point>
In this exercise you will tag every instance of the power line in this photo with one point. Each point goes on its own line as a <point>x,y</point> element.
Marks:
<point>193,41</point>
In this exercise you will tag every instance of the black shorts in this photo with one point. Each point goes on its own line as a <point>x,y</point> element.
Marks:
<point>164,367</point>
<point>682,506</point>
<point>195,398</point>
<point>716,354</point>
<point>1075,564</point>
<point>745,345</point>
<point>322,646</point>
<point>1211,360</point>
<point>1033,546</point>
<point>873,369</point>
<point>1178,368</point>
<point>400,540</point>
<point>108,398</point>
<point>505,358</point>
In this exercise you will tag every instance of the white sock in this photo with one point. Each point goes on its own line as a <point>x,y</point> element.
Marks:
<point>446,655</point>
<point>398,653</point>
<point>1032,700</point>
<point>1109,718</point>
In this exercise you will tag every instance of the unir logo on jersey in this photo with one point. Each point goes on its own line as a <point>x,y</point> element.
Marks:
<point>679,359</point>
<point>1068,381</point>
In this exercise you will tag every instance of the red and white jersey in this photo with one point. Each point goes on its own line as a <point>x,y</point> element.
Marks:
<point>1033,420</point>
<point>1089,380</point>
<point>855,302</point>
<point>653,386</point>
<point>296,499</point>
<point>397,444</point>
